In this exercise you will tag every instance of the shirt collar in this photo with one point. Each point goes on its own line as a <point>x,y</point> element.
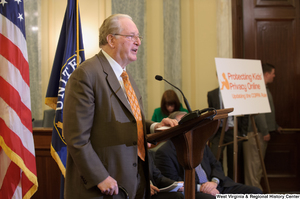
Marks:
<point>114,65</point>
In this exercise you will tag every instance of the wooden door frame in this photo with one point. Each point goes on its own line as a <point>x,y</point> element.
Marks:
<point>237,29</point>
<point>284,145</point>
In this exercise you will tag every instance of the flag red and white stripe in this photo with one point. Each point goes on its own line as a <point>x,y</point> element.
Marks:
<point>18,176</point>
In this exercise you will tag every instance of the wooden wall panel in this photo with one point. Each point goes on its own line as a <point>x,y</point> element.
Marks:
<point>282,162</point>
<point>276,45</point>
<point>275,2</point>
<point>271,33</point>
<point>48,173</point>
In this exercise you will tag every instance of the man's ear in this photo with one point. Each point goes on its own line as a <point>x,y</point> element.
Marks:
<point>110,40</point>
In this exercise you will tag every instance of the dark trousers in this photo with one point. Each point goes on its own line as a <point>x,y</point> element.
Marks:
<point>236,189</point>
<point>214,143</point>
<point>140,194</point>
<point>240,189</point>
<point>168,195</point>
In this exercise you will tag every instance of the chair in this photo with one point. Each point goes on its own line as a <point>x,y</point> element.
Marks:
<point>49,116</point>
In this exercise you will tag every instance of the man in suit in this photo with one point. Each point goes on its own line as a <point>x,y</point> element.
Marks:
<point>265,124</point>
<point>104,124</point>
<point>159,181</point>
<point>212,182</point>
<point>214,100</point>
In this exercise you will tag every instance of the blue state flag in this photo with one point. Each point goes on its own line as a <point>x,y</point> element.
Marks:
<point>69,54</point>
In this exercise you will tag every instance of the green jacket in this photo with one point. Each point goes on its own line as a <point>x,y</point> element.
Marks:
<point>158,115</point>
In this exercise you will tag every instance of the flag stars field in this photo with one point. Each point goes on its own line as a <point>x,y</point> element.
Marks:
<point>20,17</point>
<point>3,2</point>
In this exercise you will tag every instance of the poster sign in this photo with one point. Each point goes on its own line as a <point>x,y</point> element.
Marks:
<point>242,86</point>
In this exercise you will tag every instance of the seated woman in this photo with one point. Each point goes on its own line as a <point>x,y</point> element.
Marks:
<point>169,104</point>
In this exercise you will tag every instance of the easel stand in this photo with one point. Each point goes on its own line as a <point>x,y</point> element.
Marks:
<point>190,139</point>
<point>260,154</point>
<point>236,139</point>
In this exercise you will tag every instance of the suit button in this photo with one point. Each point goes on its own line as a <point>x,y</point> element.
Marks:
<point>83,179</point>
<point>134,143</point>
<point>134,164</point>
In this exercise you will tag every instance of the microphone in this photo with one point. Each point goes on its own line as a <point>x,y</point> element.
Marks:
<point>192,114</point>
<point>159,78</point>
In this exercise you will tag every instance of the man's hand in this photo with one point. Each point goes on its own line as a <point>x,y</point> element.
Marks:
<point>267,137</point>
<point>154,189</point>
<point>109,186</point>
<point>167,122</point>
<point>209,188</point>
<point>214,192</point>
<point>279,129</point>
<point>181,189</point>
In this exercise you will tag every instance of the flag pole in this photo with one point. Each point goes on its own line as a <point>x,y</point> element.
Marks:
<point>77,32</point>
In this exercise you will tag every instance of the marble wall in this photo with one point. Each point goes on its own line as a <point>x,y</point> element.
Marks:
<point>183,38</point>
<point>172,44</point>
<point>224,29</point>
<point>33,37</point>
<point>172,39</point>
<point>137,10</point>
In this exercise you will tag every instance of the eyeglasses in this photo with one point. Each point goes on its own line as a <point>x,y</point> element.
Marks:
<point>131,37</point>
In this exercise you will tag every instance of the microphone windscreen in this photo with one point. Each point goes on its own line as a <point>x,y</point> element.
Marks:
<point>158,77</point>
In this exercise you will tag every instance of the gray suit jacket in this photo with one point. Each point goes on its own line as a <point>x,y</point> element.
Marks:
<point>270,117</point>
<point>265,122</point>
<point>213,99</point>
<point>100,131</point>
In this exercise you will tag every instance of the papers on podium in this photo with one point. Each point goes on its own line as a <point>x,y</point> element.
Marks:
<point>163,128</point>
<point>172,188</point>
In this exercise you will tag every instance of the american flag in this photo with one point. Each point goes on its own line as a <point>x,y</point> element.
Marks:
<point>18,176</point>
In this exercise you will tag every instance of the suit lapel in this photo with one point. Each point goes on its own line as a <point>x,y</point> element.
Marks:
<point>217,97</point>
<point>115,85</point>
<point>112,80</point>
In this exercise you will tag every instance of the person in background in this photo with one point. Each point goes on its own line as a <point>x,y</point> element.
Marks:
<point>104,123</point>
<point>214,99</point>
<point>210,178</point>
<point>169,104</point>
<point>265,124</point>
<point>159,181</point>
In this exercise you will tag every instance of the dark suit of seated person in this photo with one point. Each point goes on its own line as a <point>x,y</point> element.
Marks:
<point>215,183</point>
<point>160,181</point>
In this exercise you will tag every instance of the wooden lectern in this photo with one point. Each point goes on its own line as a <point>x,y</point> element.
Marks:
<point>190,139</point>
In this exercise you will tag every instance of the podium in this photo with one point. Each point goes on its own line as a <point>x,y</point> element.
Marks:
<point>189,139</point>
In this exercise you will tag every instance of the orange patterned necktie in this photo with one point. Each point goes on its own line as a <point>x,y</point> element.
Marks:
<point>134,104</point>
